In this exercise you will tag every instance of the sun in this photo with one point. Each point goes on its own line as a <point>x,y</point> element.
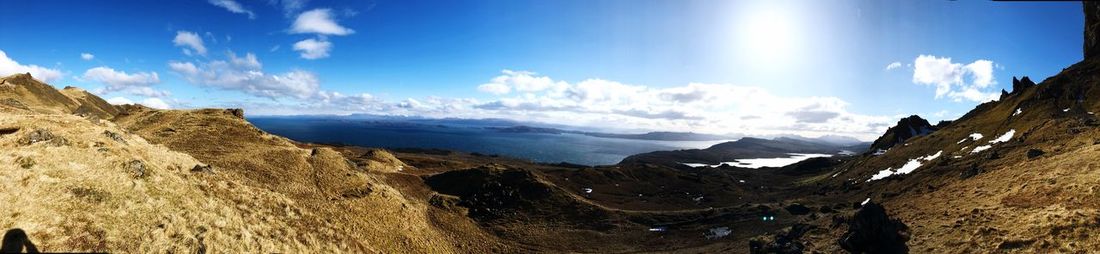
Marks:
<point>767,36</point>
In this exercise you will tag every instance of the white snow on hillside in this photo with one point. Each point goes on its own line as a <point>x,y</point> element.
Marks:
<point>973,136</point>
<point>980,148</point>
<point>909,167</point>
<point>1004,138</point>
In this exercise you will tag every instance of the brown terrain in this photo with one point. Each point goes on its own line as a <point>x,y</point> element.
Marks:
<point>79,174</point>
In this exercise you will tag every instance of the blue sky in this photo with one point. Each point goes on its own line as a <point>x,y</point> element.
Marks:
<point>757,67</point>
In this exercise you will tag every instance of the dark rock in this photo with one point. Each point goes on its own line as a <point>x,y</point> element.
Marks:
<point>1092,29</point>
<point>1034,152</point>
<point>202,168</point>
<point>826,209</point>
<point>871,230</point>
<point>906,128</point>
<point>797,209</point>
<point>1004,94</point>
<point>1015,244</point>
<point>239,113</point>
<point>1019,85</point>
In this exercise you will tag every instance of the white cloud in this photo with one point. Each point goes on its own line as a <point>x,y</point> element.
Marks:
<point>249,60</point>
<point>290,6</point>
<point>715,108</point>
<point>9,66</point>
<point>521,81</point>
<point>313,48</point>
<point>955,80</point>
<point>87,56</point>
<point>494,88</point>
<point>234,7</point>
<point>245,75</point>
<point>148,102</point>
<point>119,81</point>
<point>318,21</point>
<point>119,101</point>
<point>190,40</point>
<point>155,103</point>
<point>893,65</point>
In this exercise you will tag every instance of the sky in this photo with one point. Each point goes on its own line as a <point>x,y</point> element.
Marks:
<point>809,68</point>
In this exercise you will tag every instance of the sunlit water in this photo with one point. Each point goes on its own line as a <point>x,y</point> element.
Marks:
<point>540,147</point>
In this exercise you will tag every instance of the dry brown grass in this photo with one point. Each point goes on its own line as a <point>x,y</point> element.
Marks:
<point>356,206</point>
<point>81,196</point>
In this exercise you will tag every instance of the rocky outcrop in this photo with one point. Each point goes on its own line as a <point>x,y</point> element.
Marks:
<point>1092,29</point>
<point>909,127</point>
<point>1021,84</point>
<point>871,230</point>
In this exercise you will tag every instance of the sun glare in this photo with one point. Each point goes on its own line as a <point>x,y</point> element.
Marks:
<point>767,36</point>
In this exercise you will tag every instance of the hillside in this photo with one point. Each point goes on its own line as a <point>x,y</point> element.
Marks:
<point>1015,174</point>
<point>205,179</point>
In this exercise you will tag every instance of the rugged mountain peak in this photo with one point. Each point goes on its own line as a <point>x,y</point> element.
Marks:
<point>906,128</point>
<point>1092,29</point>
<point>1021,84</point>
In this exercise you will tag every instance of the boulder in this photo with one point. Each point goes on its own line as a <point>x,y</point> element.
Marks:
<point>797,209</point>
<point>871,230</point>
<point>1034,152</point>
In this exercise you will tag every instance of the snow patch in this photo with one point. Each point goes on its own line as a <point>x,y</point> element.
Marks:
<point>932,157</point>
<point>973,136</point>
<point>909,167</point>
<point>1018,111</point>
<point>1004,138</point>
<point>762,162</point>
<point>865,201</point>
<point>980,148</point>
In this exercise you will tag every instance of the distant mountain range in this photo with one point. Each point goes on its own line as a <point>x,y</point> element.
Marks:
<point>658,135</point>
<point>749,147</point>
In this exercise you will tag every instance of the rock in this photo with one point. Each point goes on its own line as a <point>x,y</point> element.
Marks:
<point>871,230</point>
<point>136,168</point>
<point>1004,94</point>
<point>1092,29</point>
<point>1019,85</point>
<point>202,168</point>
<point>239,113</point>
<point>1015,244</point>
<point>797,209</point>
<point>114,136</point>
<point>358,192</point>
<point>42,135</point>
<point>826,209</point>
<point>905,129</point>
<point>1034,152</point>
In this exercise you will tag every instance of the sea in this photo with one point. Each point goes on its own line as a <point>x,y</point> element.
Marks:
<point>468,137</point>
